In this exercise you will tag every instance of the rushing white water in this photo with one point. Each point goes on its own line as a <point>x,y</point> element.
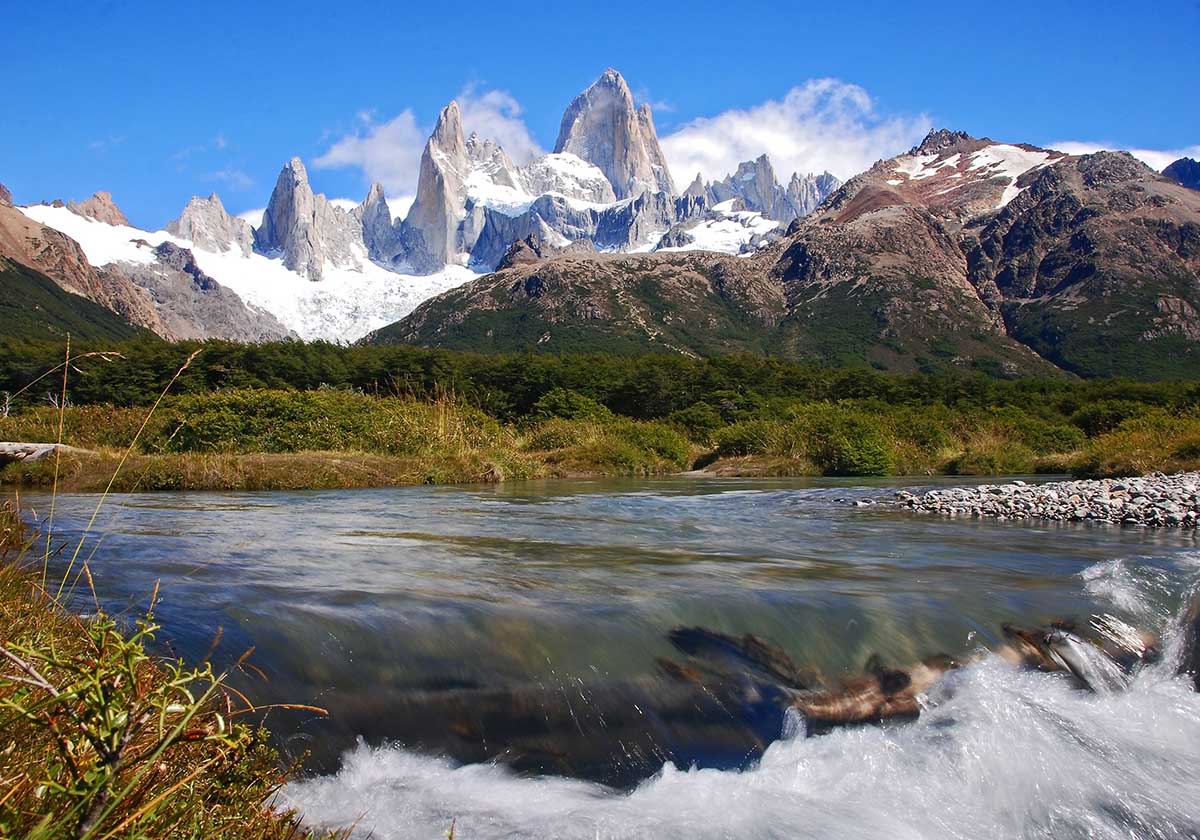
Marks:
<point>998,752</point>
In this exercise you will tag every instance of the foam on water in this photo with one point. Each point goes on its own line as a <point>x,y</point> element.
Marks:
<point>998,752</point>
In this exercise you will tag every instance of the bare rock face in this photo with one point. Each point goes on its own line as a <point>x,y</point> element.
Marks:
<point>192,305</point>
<point>432,221</point>
<point>5,195</point>
<point>697,189</point>
<point>603,127</point>
<point>208,226</point>
<point>305,229</point>
<point>806,192</point>
<point>533,249</point>
<point>755,184</point>
<point>101,208</point>
<point>1185,172</point>
<point>1096,265</point>
<point>378,233</point>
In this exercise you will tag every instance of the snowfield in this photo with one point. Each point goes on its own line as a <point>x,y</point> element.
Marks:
<point>728,234</point>
<point>1006,161</point>
<point>343,307</point>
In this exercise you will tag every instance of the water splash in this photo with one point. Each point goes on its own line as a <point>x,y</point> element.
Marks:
<point>1001,753</point>
<point>998,752</point>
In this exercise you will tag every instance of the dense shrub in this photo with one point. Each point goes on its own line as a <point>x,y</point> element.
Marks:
<point>568,405</point>
<point>749,437</point>
<point>699,422</point>
<point>1104,416</point>
<point>655,438</point>
<point>841,441</point>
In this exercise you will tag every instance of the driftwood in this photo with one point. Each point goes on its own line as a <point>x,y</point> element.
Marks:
<point>32,452</point>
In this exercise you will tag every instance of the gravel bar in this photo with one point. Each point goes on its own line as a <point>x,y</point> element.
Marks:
<point>1154,501</point>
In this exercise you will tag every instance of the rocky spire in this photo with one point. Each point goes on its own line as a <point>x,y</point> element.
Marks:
<point>433,219</point>
<point>491,160</point>
<point>101,208</point>
<point>305,229</point>
<point>806,192</point>
<point>379,234</point>
<point>755,184</point>
<point>603,127</point>
<point>210,228</point>
<point>696,189</point>
<point>5,195</point>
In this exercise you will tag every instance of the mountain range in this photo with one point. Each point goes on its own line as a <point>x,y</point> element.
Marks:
<point>962,252</point>
<point>314,268</point>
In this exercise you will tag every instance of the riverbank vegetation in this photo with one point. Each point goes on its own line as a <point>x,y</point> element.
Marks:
<point>290,416</point>
<point>100,739</point>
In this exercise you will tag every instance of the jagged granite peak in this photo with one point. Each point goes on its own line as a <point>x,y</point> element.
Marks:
<point>378,231</point>
<point>432,221</point>
<point>806,192</point>
<point>755,184</point>
<point>100,207</point>
<point>208,226</point>
<point>939,140</point>
<point>488,158</point>
<point>697,189</point>
<point>1185,172</point>
<point>305,229</point>
<point>602,126</point>
<point>5,195</point>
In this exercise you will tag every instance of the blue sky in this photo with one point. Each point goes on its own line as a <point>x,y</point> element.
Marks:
<point>156,103</point>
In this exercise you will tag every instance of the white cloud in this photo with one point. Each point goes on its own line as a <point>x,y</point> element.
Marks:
<point>824,124</point>
<point>346,204</point>
<point>254,217</point>
<point>390,152</point>
<point>398,207</point>
<point>496,115</point>
<point>1156,159</point>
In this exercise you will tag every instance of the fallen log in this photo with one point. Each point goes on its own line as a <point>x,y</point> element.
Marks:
<point>11,452</point>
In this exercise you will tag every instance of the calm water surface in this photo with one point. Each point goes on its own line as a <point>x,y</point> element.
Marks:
<point>352,598</point>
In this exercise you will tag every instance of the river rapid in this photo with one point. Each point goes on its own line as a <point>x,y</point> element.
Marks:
<point>357,601</point>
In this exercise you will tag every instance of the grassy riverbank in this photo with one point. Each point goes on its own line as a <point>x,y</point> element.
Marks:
<point>99,739</point>
<point>286,440</point>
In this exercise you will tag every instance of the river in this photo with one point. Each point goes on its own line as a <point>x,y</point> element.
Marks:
<point>359,601</point>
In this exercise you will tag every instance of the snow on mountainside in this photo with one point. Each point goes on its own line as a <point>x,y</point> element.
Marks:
<point>568,175</point>
<point>344,306</point>
<point>726,230</point>
<point>952,170</point>
<point>336,269</point>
